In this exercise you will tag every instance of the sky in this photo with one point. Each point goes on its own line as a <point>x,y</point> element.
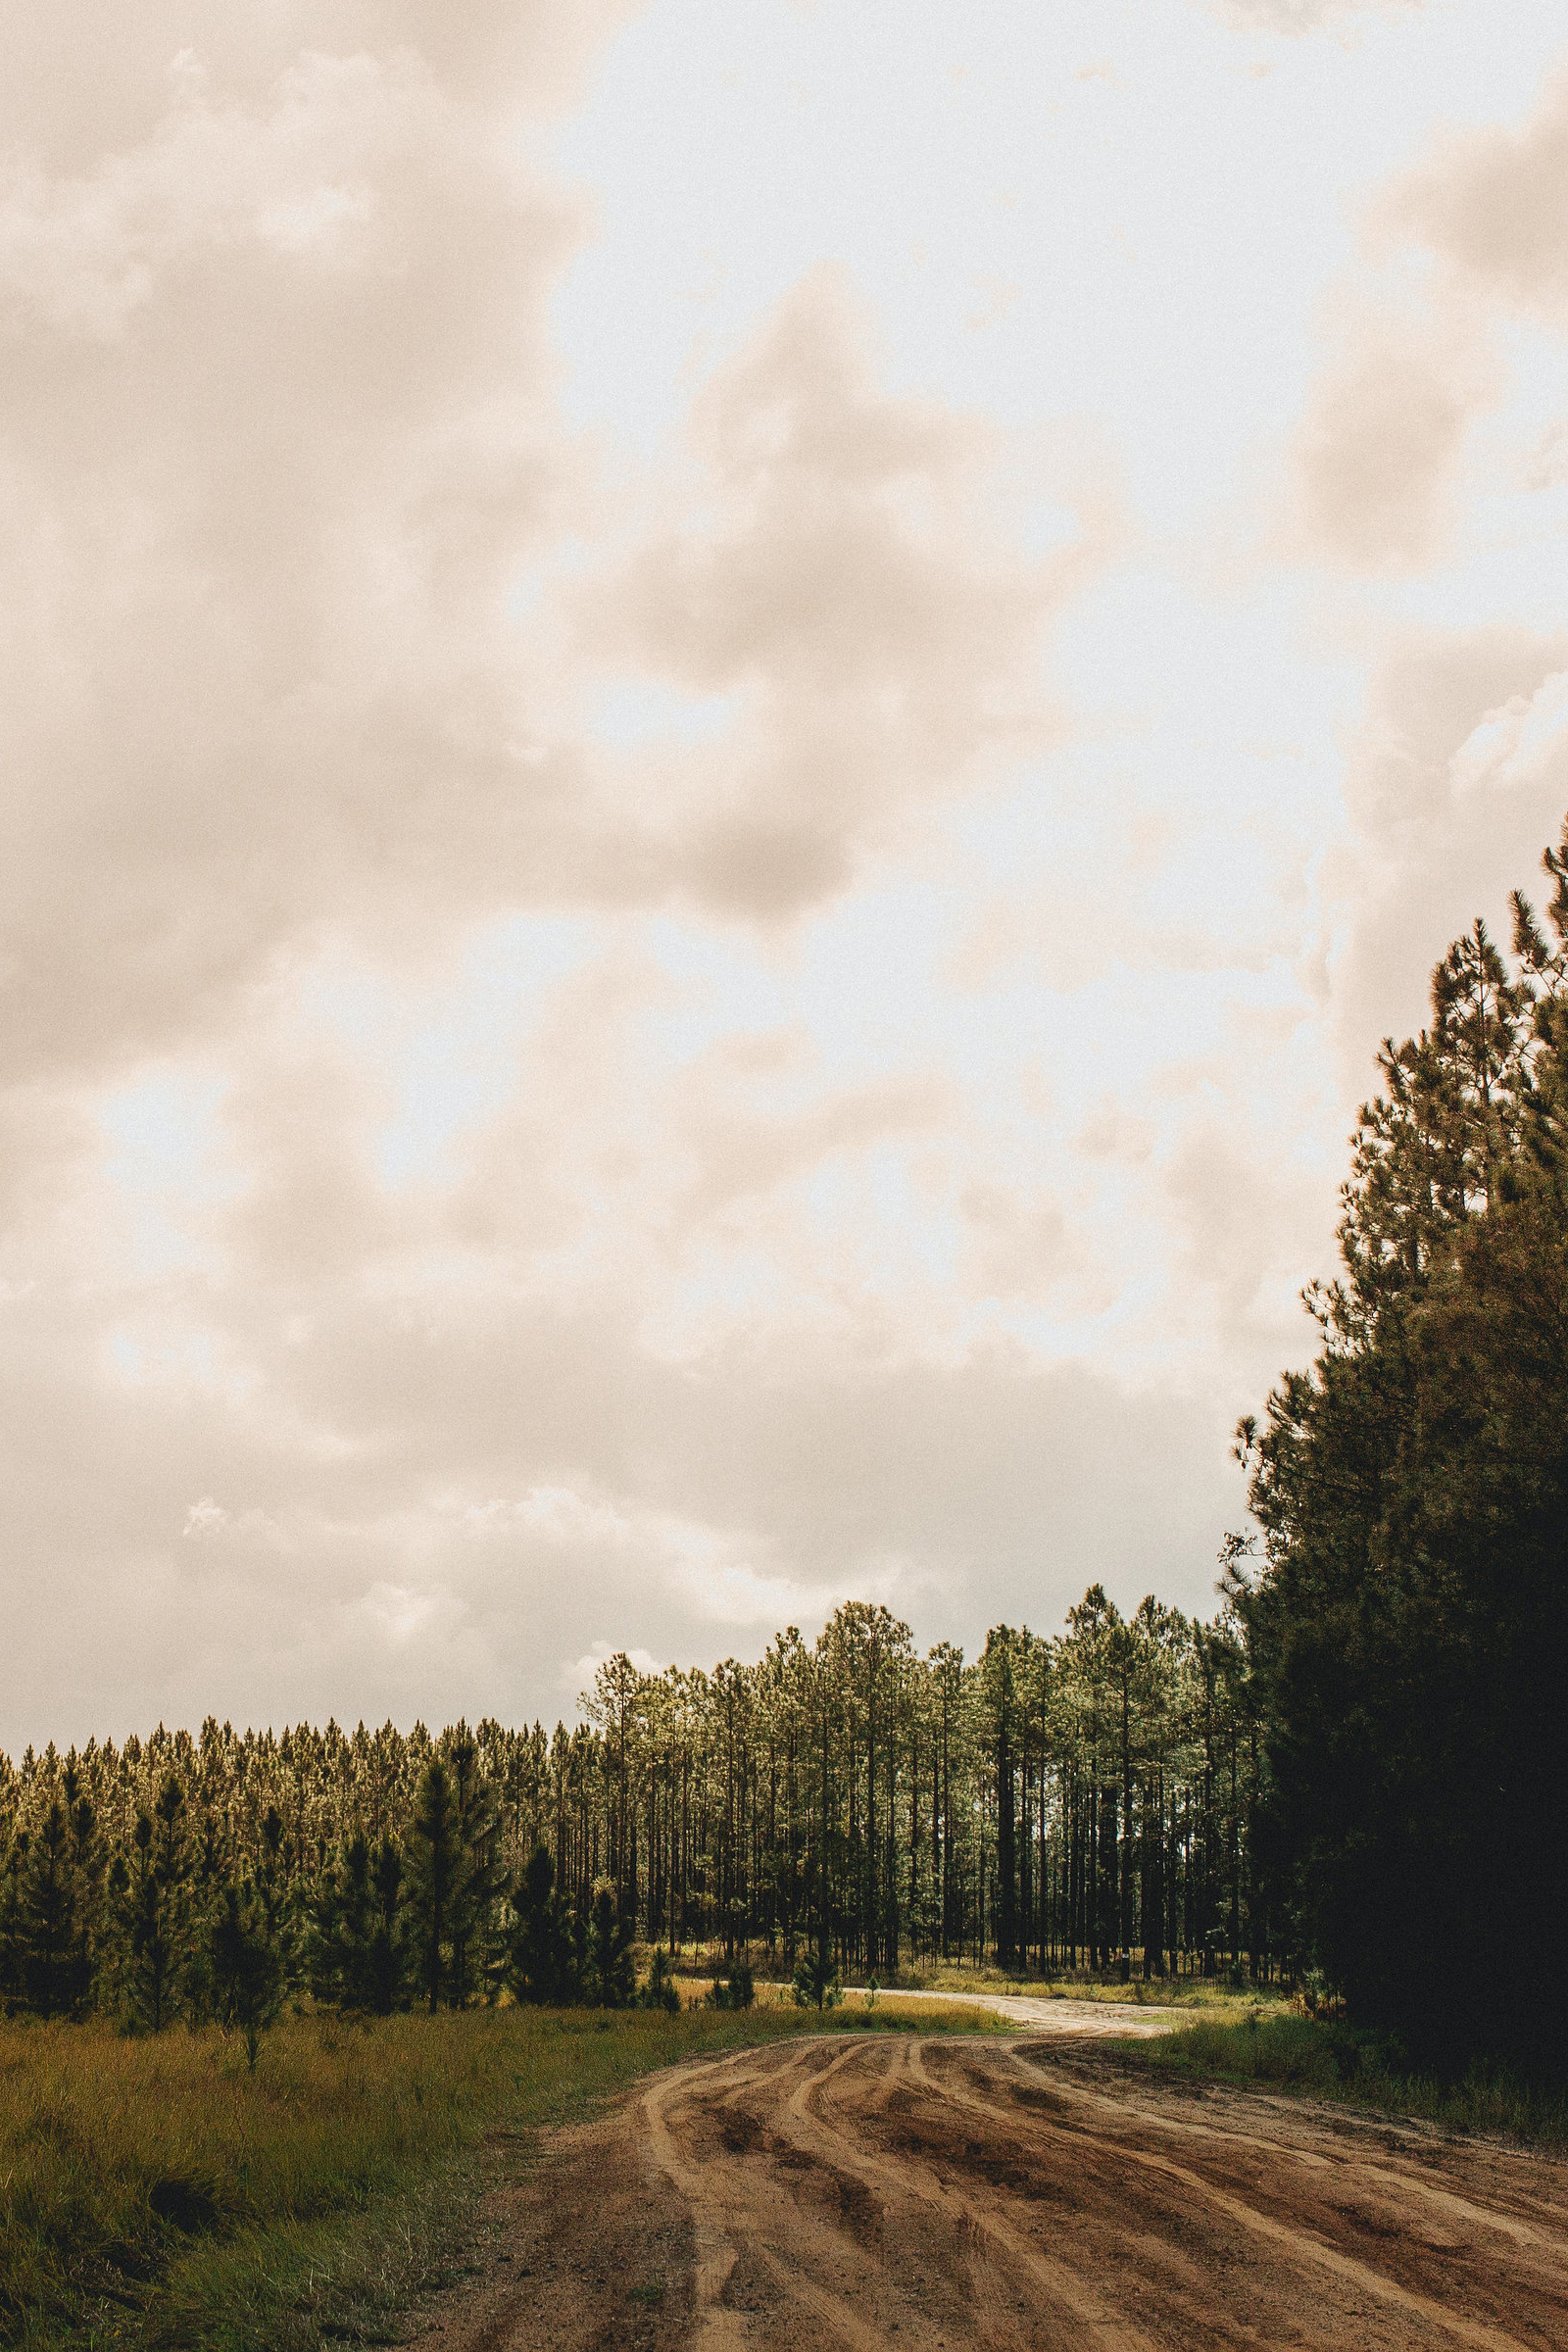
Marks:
<point>727,725</point>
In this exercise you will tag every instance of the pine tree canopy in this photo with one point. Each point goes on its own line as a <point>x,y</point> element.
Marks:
<point>1407,1625</point>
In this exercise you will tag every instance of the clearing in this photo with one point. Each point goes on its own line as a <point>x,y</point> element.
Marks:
<point>905,2193</point>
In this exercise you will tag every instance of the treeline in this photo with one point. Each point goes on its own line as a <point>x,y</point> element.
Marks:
<point>1360,1769</point>
<point>1407,1619</point>
<point>1080,1802</point>
<point>168,1880</point>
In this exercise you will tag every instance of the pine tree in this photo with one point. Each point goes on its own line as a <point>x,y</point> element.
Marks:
<point>1482,1026</point>
<point>435,1868</point>
<point>1405,1626</point>
<point>480,1883</point>
<point>52,1927</point>
<point>543,1967</point>
<point>388,1954</point>
<point>842,1797</point>
<point>340,1947</point>
<point>87,1872</point>
<point>816,1981</point>
<point>12,1861</point>
<point>247,1966</point>
<point>278,1898</point>
<point>999,1702</point>
<point>734,1987</point>
<point>324,1936</point>
<point>156,1911</point>
<point>610,1979</point>
<point>661,1990</point>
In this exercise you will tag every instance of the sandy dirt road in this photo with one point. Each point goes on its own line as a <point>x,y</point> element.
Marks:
<point>899,2193</point>
<point>1066,2017</point>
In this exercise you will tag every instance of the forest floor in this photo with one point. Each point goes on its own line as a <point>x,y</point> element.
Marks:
<point>1036,2191</point>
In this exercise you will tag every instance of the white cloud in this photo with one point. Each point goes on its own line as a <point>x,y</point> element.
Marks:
<point>578,1676</point>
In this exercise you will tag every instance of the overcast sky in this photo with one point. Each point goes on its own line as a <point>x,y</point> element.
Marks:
<point>726,726</point>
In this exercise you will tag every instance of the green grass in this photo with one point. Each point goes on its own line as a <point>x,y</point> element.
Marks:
<point>1160,1992</point>
<point>698,1965</point>
<point>155,2193</point>
<point>1330,2061</point>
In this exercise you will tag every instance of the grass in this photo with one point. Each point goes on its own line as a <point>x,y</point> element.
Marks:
<point>1159,1992</point>
<point>1331,2061</point>
<point>698,1965</point>
<point>1207,1993</point>
<point>155,2193</point>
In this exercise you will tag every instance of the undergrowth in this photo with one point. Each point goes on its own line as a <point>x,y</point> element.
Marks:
<point>1338,2061</point>
<point>153,2192</point>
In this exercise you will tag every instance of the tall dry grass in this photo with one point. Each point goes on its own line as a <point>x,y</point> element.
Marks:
<point>155,2192</point>
<point>1335,2060</point>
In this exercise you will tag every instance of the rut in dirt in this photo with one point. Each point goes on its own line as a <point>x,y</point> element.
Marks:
<point>891,2194</point>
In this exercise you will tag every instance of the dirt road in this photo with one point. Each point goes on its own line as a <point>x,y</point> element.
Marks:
<point>892,2193</point>
<point>1066,2017</point>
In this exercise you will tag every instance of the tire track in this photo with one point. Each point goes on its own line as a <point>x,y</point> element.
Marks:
<point>1299,2245</point>
<point>1509,2225</point>
<point>887,2194</point>
<point>959,2213</point>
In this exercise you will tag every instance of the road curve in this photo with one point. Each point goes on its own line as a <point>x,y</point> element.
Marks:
<point>1093,2020</point>
<point>890,2193</point>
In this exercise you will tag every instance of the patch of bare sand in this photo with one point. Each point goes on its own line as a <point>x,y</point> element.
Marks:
<point>894,2194</point>
<point>583,2248</point>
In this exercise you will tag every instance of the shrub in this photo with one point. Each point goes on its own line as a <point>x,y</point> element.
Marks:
<point>815,1982</point>
<point>733,1989</point>
<point>661,1990</point>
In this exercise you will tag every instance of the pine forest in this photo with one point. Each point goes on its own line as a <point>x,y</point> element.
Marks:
<point>1354,1774</point>
<point>1058,1803</point>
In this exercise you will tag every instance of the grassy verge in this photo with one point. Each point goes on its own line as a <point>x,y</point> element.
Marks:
<point>1197,1994</point>
<point>1157,1992</point>
<point>155,2193</point>
<point>698,1968</point>
<point>1325,2061</point>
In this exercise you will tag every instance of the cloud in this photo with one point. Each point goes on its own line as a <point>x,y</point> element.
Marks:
<point>277,428</point>
<point>1457,779</point>
<point>279,438</point>
<point>1389,458</point>
<point>1021,1247</point>
<point>400,1615</point>
<point>989,1488</point>
<point>612,1034</point>
<point>1493,204</point>
<point>1379,450</point>
<point>577,1675</point>
<point>300,180</point>
<point>75,89</point>
<point>746,1153</point>
<point>1431,693</point>
<point>853,590</point>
